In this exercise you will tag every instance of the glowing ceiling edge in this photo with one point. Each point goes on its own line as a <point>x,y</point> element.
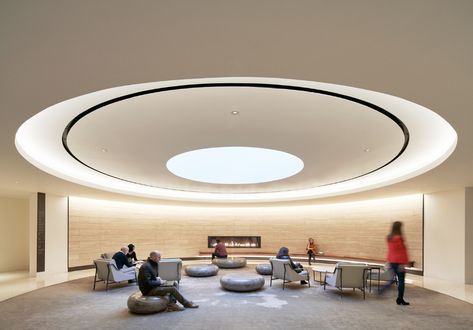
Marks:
<point>432,140</point>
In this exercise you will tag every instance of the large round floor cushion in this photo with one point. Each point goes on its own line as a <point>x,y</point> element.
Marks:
<point>242,282</point>
<point>201,270</point>
<point>229,262</point>
<point>139,304</point>
<point>264,269</point>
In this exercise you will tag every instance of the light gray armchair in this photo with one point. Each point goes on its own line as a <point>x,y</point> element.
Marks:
<point>170,269</point>
<point>107,255</point>
<point>281,269</point>
<point>348,276</point>
<point>107,271</point>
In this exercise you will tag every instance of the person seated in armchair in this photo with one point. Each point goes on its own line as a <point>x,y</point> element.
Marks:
<point>152,285</point>
<point>131,255</point>
<point>220,250</point>
<point>283,253</point>
<point>123,264</point>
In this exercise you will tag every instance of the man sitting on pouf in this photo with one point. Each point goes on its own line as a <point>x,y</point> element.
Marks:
<point>220,250</point>
<point>151,285</point>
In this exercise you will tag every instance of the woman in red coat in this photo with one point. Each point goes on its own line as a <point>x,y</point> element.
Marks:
<point>397,257</point>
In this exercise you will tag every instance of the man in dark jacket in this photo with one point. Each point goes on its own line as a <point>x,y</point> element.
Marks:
<point>121,258</point>
<point>123,264</point>
<point>151,285</point>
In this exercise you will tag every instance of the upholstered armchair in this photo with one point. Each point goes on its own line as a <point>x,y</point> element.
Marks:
<point>107,255</point>
<point>348,275</point>
<point>281,269</point>
<point>106,270</point>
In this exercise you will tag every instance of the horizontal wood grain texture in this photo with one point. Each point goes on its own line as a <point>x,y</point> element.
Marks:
<point>356,230</point>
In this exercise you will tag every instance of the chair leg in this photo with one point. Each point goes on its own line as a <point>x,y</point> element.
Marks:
<point>95,277</point>
<point>108,278</point>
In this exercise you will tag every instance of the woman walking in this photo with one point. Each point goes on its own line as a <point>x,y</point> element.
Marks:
<point>397,257</point>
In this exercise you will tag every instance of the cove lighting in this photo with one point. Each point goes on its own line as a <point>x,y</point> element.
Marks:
<point>429,139</point>
<point>235,165</point>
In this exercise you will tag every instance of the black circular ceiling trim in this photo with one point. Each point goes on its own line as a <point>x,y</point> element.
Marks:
<point>255,85</point>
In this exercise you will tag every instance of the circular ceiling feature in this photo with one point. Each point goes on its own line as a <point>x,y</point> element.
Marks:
<point>350,139</point>
<point>235,165</point>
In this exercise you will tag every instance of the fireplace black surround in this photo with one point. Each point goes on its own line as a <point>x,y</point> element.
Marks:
<point>236,241</point>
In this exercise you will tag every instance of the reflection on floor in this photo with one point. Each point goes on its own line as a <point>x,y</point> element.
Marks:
<point>15,283</point>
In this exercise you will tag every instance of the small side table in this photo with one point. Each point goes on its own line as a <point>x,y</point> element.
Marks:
<point>376,268</point>
<point>320,271</point>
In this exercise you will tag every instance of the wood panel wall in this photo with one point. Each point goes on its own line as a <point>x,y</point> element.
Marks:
<point>355,230</point>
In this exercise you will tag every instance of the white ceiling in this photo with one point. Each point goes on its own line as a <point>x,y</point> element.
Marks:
<point>52,51</point>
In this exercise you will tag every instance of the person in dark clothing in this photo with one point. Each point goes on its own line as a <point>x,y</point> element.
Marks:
<point>131,255</point>
<point>151,285</point>
<point>121,260</point>
<point>283,253</point>
<point>123,264</point>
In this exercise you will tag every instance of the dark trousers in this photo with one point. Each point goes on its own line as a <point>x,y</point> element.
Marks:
<point>214,255</point>
<point>401,277</point>
<point>311,255</point>
<point>171,290</point>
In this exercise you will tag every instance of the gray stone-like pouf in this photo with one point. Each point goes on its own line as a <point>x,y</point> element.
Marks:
<point>201,270</point>
<point>229,262</point>
<point>242,282</point>
<point>264,269</point>
<point>139,304</point>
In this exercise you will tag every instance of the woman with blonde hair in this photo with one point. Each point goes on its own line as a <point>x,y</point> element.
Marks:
<point>311,249</point>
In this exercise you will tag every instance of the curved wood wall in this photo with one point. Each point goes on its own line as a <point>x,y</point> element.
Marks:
<point>355,229</point>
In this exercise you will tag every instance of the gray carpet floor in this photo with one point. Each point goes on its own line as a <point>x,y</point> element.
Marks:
<point>73,305</point>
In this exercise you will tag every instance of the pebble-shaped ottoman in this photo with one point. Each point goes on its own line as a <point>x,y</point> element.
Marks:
<point>229,262</point>
<point>242,282</point>
<point>201,270</point>
<point>139,304</point>
<point>264,269</point>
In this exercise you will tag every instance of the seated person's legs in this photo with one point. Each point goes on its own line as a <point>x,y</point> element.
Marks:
<point>173,292</point>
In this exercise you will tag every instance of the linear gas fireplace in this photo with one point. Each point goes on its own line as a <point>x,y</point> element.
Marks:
<point>236,241</point>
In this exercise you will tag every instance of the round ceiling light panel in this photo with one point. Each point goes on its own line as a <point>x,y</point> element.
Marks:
<point>235,165</point>
<point>172,139</point>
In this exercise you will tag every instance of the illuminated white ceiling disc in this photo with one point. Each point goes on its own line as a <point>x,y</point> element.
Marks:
<point>235,165</point>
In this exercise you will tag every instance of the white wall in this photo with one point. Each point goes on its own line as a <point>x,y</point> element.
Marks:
<point>56,234</point>
<point>13,234</point>
<point>444,235</point>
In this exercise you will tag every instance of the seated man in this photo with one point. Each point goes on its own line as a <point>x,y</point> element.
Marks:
<point>122,262</point>
<point>220,250</point>
<point>151,285</point>
<point>283,253</point>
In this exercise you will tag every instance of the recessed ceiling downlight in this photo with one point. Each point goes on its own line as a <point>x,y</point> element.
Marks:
<point>235,165</point>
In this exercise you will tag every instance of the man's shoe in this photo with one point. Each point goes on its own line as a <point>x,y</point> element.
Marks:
<point>190,304</point>
<point>174,308</point>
